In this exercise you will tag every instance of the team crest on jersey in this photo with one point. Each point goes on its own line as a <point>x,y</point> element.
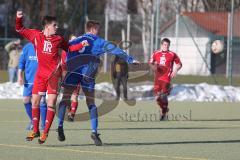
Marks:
<point>47,48</point>
<point>163,60</point>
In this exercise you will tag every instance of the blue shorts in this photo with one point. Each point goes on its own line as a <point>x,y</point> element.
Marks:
<point>27,90</point>
<point>74,79</point>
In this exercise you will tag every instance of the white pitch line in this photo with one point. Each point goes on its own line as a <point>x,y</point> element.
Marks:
<point>103,153</point>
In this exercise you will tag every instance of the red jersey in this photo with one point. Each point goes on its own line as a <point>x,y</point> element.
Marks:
<point>47,48</point>
<point>164,61</point>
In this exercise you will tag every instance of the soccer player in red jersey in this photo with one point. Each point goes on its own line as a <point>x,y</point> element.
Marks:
<point>47,44</point>
<point>162,62</point>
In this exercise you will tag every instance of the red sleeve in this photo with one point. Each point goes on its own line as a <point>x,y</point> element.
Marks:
<point>63,56</point>
<point>71,48</point>
<point>177,59</point>
<point>29,34</point>
<point>152,58</point>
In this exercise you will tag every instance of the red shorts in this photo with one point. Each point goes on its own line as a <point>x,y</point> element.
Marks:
<point>43,84</point>
<point>162,87</point>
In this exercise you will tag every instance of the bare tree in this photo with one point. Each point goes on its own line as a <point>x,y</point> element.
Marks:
<point>146,10</point>
<point>220,5</point>
<point>208,5</point>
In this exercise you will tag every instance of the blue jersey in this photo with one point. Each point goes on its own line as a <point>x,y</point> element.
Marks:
<point>28,63</point>
<point>86,60</point>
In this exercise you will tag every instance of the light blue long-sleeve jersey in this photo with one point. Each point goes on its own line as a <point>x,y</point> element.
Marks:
<point>28,63</point>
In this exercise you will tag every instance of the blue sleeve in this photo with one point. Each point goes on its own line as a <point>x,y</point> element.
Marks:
<point>111,48</point>
<point>22,60</point>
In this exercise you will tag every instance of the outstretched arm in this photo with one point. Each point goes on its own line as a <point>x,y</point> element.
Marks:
<point>111,48</point>
<point>29,34</point>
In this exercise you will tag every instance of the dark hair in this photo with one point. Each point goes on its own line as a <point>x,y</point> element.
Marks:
<point>92,24</point>
<point>47,20</point>
<point>165,40</point>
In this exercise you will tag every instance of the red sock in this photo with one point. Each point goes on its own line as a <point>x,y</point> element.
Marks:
<point>74,106</point>
<point>35,118</point>
<point>164,107</point>
<point>163,103</point>
<point>49,119</point>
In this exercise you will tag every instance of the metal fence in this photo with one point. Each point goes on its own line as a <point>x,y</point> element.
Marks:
<point>191,33</point>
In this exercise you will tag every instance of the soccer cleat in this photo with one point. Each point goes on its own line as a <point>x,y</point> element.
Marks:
<point>61,136</point>
<point>95,137</point>
<point>32,135</point>
<point>43,138</point>
<point>71,117</point>
<point>164,118</point>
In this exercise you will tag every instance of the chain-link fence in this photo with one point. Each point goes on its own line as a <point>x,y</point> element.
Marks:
<point>193,37</point>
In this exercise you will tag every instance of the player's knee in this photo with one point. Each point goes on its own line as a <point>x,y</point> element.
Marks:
<point>162,97</point>
<point>74,98</point>
<point>90,101</point>
<point>53,107</point>
<point>26,100</point>
<point>35,102</point>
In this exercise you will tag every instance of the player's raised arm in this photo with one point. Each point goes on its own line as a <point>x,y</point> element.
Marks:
<point>25,32</point>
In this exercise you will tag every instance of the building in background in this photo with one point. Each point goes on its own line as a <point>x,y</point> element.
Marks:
<point>196,32</point>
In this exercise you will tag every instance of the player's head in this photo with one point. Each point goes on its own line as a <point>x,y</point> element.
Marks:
<point>49,24</point>
<point>92,27</point>
<point>165,43</point>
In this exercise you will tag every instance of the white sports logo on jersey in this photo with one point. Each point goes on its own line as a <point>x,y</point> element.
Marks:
<point>163,60</point>
<point>47,47</point>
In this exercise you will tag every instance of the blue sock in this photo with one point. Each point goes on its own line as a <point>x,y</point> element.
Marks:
<point>28,108</point>
<point>61,113</point>
<point>43,113</point>
<point>94,117</point>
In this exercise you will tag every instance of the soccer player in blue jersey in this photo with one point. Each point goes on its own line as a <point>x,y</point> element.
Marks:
<point>28,64</point>
<point>82,67</point>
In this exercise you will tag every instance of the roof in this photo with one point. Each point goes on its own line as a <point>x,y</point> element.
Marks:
<point>214,22</point>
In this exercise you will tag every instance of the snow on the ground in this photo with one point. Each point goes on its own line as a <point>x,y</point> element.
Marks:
<point>184,92</point>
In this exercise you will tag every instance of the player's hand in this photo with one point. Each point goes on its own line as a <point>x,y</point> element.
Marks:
<point>17,42</point>
<point>136,62</point>
<point>173,74</point>
<point>20,81</point>
<point>154,66</point>
<point>19,14</point>
<point>85,43</point>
